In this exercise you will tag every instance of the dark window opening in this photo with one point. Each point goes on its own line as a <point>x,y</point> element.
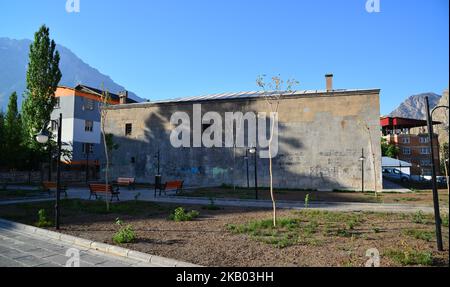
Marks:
<point>128,129</point>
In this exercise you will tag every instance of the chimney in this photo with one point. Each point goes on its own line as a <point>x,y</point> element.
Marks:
<point>123,97</point>
<point>329,79</point>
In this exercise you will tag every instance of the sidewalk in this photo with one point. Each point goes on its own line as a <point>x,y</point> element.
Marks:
<point>148,195</point>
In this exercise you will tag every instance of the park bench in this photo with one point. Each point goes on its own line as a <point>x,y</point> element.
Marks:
<point>125,181</point>
<point>49,186</point>
<point>99,188</point>
<point>176,185</point>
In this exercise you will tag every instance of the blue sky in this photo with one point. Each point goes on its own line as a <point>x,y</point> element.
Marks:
<point>164,49</point>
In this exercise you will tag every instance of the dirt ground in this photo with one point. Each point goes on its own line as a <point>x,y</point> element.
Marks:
<point>421,198</point>
<point>207,240</point>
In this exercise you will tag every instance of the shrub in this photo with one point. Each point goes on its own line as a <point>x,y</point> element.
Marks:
<point>307,200</point>
<point>42,219</point>
<point>125,234</point>
<point>419,217</point>
<point>420,234</point>
<point>181,215</point>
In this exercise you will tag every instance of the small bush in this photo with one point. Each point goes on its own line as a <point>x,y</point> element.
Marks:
<point>411,257</point>
<point>376,230</point>
<point>42,219</point>
<point>419,217</point>
<point>181,215</point>
<point>125,234</point>
<point>420,234</point>
<point>307,198</point>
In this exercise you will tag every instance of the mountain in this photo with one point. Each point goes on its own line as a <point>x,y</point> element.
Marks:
<point>414,106</point>
<point>14,61</point>
<point>442,115</point>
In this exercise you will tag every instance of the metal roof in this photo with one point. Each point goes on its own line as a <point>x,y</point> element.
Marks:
<point>246,95</point>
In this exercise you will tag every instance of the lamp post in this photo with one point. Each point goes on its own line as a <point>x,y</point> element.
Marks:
<point>437,215</point>
<point>362,159</point>
<point>158,178</point>
<point>43,138</point>
<point>247,162</point>
<point>253,151</point>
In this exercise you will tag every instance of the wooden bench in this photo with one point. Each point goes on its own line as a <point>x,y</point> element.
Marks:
<point>176,185</point>
<point>50,186</point>
<point>125,181</point>
<point>100,188</point>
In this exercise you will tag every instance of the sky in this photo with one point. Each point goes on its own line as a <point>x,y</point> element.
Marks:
<point>167,49</point>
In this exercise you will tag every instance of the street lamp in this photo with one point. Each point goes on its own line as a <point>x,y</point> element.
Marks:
<point>43,138</point>
<point>362,159</point>
<point>246,158</point>
<point>253,151</point>
<point>437,214</point>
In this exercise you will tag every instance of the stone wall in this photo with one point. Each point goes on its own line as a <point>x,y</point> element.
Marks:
<point>321,137</point>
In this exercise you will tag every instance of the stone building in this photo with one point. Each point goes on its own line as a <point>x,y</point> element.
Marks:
<point>321,136</point>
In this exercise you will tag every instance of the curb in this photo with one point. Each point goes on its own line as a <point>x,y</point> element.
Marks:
<point>96,246</point>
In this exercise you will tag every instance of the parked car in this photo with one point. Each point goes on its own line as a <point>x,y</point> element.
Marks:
<point>396,174</point>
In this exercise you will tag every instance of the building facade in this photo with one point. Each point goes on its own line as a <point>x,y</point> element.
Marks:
<point>81,131</point>
<point>412,139</point>
<point>321,135</point>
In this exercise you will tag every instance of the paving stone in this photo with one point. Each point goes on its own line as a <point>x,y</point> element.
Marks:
<point>31,261</point>
<point>8,262</point>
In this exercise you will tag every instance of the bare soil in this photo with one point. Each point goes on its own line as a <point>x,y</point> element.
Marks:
<point>207,240</point>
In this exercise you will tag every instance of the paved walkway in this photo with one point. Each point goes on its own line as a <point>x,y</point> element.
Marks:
<point>25,250</point>
<point>148,195</point>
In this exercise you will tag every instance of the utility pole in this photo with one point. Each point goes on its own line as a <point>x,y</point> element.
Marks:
<point>437,215</point>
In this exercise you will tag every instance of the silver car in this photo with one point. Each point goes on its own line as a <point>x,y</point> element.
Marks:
<point>396,174</point>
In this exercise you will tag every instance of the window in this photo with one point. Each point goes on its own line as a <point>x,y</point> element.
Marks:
<point>424,140</point>
<point>406,140</point>
<point>88,105</point>
<point>88,148</point>
<point>406,150</point>
<point>425,162</point>
<point>88,126</point>
<point>57,103</point>
<point>128,129</point>
<point>425,150</point>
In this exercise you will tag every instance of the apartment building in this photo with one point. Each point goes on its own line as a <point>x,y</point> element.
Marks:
<point>411,137</point>
<point>81,131</point>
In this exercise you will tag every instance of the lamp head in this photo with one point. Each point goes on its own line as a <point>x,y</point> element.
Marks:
<point>43,136</point>
<point>252,150</point>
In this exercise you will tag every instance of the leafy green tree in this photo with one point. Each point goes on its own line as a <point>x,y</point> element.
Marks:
<point>12,134</point>
<point>43,76</point>
<point>388,149</point>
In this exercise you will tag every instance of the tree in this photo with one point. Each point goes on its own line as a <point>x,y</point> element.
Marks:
<point>43,76</point>
<point>108,140</point>
<point>12,134</point>
<point>272,93</point>
<point>444,163</point>
<point>389,149</point>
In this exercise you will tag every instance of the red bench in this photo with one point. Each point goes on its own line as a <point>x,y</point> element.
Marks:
<point>100,188</point>
<point>125,181</point>
<point>176,185</point>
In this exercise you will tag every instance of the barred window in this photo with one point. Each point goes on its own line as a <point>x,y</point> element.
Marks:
<point>128,129</point>
<point>88,126</point>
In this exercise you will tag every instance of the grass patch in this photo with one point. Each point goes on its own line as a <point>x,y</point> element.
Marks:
<point>419,218</point>
<point>445,220</point>
<point>180,215</point>
<point>420,234</point>
<point>411,257</point>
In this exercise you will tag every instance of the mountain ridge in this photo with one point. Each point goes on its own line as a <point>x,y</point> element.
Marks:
<point>14,59</point>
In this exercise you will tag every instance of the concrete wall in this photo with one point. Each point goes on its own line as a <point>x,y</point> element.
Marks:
<point>321,137</point>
